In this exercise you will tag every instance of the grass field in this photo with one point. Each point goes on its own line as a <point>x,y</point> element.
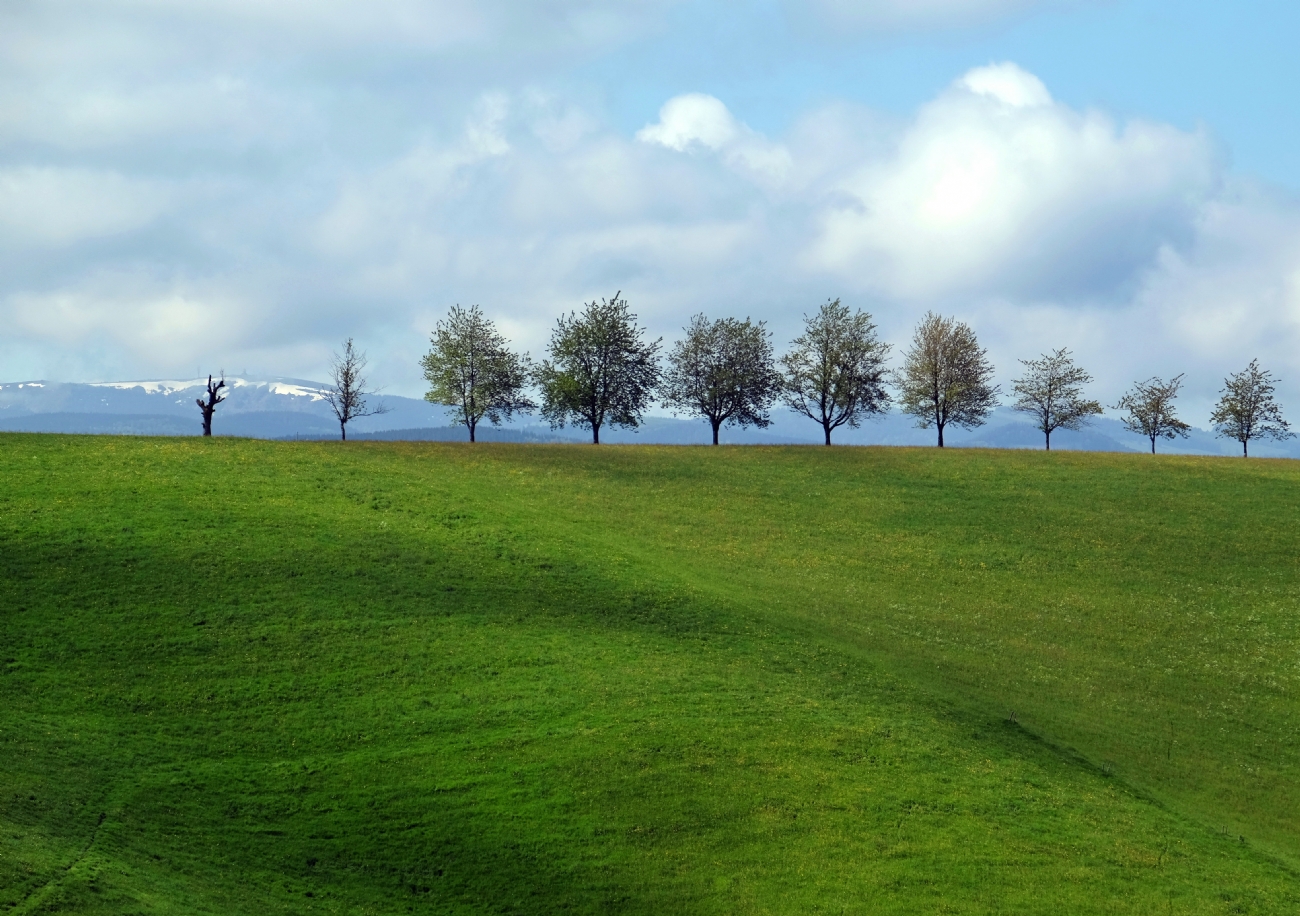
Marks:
<point>251,677</point>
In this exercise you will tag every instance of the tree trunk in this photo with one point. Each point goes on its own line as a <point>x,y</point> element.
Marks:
<point>940,425</point>
<point>716,424</point>
<point>1048,433</point>
<point>828,433</point>
<point>207,422</point>
<point>1243,448</point>
<point>471,430</point>
<point>1153,445</point>
<point>595,434</point>
<point>343,429</point>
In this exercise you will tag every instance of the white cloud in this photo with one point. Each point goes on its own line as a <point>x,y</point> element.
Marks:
<point>136,312</point>
<point>224,216</point>
<point>700,121</point>
<point>1008,84</point>
<point>994,188</point>
<point>53,207</point>
<point>1236,290</point>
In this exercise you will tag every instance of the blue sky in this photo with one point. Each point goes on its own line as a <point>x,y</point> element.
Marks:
<point>1231,66</point>
<point>240,184</point>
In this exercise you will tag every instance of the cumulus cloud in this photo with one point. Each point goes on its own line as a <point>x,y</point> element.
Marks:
<point>701,121</point>
<point>1234,292</point>
<point>995,188</point>
<point>215,203</point>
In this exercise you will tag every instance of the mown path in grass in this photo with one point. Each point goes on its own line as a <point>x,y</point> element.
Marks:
<point>257,677</point>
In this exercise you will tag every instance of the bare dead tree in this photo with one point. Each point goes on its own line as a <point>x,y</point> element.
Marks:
<point>214,397</point>
<point>347,396</point>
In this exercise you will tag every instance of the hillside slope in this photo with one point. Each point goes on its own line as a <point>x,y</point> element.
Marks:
<point>243,676</point>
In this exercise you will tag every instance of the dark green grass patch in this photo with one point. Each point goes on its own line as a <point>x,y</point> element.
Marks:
<point>385,678</point>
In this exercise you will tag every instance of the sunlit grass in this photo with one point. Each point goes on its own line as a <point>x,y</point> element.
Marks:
<point>245,676</point>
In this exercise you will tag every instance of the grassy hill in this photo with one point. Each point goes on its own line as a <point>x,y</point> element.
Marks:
<point>253,677</point>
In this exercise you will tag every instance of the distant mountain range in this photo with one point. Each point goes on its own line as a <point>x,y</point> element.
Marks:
<point>285,408</point>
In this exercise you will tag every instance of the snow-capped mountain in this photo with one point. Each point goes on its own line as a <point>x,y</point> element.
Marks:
<point>253,407</point>
<point>279,408</point>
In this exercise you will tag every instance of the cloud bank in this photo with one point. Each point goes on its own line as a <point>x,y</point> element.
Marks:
<point>196,202</point>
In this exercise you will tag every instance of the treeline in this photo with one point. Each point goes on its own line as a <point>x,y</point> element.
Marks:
<point>601,370</point>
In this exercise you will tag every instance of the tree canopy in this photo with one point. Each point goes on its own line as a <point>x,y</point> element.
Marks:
<point>835,371</point>
<point>471,368</point>
<point>945,376</point>
<point>1149,410</point>
<point>1247,409</point>
<point>723,371</point>
<point>601,370</point>
<point>1051,391</point>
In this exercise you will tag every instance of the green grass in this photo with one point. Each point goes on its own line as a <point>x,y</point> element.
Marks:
<point>250,677</point>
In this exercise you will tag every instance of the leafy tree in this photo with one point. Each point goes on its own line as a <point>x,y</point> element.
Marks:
<point>214,397</point>
<point>1247,410</point>
<point>1051,391</point>
<point>470,367</point>
<point>347,394</point>
<point>835,372</point>
<point>1149,410</point>
<point>945,376</point>
<point>601,370</point>
<point>722,370</point>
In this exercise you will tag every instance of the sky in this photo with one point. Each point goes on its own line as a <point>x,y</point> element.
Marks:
<point>239,185</point>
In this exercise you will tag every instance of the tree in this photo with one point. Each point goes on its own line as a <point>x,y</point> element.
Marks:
<point>215,397</point>
<point>469,367</point>
<point>347,395</point>
<point>945,376</point>
<point>1149,410</point>
<point>1246,409</point>
<point>835,371</point>
<point>722,370</point>
<point>601,370</point>
<point>1052,392</point>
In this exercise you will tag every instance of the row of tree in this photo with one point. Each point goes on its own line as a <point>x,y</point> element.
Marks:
<point>602,370</point>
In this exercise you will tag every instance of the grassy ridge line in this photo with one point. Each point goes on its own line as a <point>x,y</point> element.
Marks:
<point>332,587</point>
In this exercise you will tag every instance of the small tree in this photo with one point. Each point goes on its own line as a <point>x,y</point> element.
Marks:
<point>214,397</point>
<point>347,395</point>
<point>601,369</point>
<point>1051,391</point>
<point>945,376</point>
<point>722,370</point>
<point>1149,410</point>
<point>469,367</point>
<point>1246,409</point>
<point>835,371</point>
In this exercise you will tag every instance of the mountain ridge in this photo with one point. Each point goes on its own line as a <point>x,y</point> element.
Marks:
<point>281,407</point>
